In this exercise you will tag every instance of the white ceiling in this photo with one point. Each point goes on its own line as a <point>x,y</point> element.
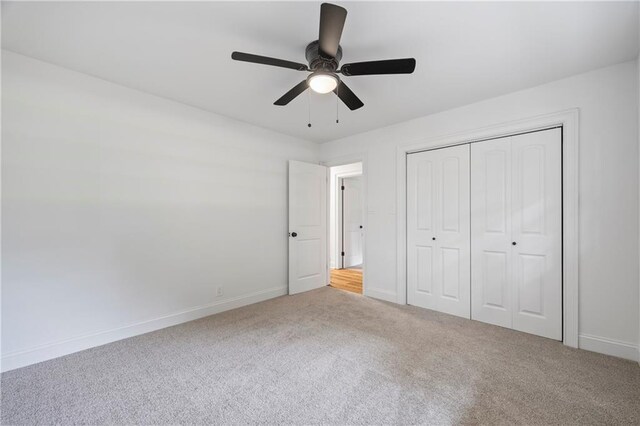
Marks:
<point>465,52</point>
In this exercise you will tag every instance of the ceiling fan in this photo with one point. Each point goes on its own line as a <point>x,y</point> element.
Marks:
<point>323,56</point>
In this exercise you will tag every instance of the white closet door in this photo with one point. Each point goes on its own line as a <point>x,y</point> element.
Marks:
<point>421,229</point>
<point>491,232</point>
<point>537,232</point>
<point>438,231</point>
<point>516,232</point>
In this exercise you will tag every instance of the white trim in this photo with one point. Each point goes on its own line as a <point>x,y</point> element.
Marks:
<point>612,347</point>
<point>360,157</point>
<point>52,350</point>
<point>386,295</point>
<point>570,216</point>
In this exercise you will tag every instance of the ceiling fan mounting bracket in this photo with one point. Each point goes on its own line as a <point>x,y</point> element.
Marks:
<point>317,61</point>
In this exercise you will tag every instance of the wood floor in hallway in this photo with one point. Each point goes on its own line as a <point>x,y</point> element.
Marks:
<point>347,279</point>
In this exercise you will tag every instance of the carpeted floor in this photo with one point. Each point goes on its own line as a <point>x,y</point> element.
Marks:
<point>327,356</point>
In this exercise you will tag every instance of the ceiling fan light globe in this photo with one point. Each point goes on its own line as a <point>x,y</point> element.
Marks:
<point>323,83</point>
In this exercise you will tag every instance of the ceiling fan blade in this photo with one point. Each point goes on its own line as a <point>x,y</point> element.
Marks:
<point>292,94</point>
<point>265,60</point>
<point>332,19</point>
<point>389,66</point>
<point>348,97</point>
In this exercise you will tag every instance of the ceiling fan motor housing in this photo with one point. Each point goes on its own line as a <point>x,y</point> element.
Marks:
<point>317,61</point>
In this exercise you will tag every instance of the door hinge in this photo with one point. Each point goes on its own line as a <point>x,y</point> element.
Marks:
<point>342,187</point>
<point>342,254</point>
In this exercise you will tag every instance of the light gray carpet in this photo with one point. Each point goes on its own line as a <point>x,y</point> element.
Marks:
<point>331,357</point>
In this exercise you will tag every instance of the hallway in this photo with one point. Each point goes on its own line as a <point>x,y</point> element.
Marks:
<point>347,279</point>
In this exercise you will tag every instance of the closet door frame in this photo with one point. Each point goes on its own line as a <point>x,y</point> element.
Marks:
<point>568,120</point>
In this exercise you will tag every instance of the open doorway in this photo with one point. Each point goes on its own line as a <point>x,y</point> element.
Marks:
<point>346,227</point>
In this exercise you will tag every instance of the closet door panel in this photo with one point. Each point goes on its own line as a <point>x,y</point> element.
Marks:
<point>494,294</point>
<point>421,227</point>
<point>451,188</point>
<point>537,232</point>
<point>450,266</point>
<point>491,232</point>
<point>453,232</point>
<point>438,248</point>
<point>424,263</point>
<point>530,276</point>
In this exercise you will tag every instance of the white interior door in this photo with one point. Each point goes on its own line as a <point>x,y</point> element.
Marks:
<point>307,226</point>
<point>438,230</point>
<point>516,235</point>
<point>537,233</point>
<point>491,232</point>
<point>352,221</point>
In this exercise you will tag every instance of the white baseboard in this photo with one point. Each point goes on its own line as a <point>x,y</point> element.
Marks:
<point>609,347</point>
<point>389,296</point>
<point>17,359</point>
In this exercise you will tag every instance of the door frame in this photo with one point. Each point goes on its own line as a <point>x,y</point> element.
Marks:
<point>340,177</point>
<point>342,161</point>
<point>338,211</point>
<point>569,121</point>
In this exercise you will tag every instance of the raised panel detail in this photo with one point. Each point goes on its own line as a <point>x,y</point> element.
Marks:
<point>424,263</point>
<point>532,182</point>
<point>516,232</point>
<point>309,199</point>
<point>308,218</point>
<point>531,276</point>
<point>438,227</point>
<point>308,258</point>
<point>494,279</point>
<point>495,191</point>
<point>491,231</point>
<point>451,194</point>
<point>424,196</point>
<point>450,272</point>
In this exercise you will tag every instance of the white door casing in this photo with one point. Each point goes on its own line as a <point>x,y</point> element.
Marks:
<point>516,232</point>
<point>352,221</point>
<point>438,233</point>
<point>308,222</point>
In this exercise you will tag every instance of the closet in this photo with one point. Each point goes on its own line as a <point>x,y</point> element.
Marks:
<point>438,270</point>
<point>484,231</point>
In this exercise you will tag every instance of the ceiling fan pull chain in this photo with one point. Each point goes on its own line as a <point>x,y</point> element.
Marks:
<point>309,103</point>
<point>337,104</point>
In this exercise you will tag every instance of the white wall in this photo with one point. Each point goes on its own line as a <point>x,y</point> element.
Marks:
<point>352,169</point>
<point>123,212</point>
<point>609,191</point>
<point>638,69</point>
